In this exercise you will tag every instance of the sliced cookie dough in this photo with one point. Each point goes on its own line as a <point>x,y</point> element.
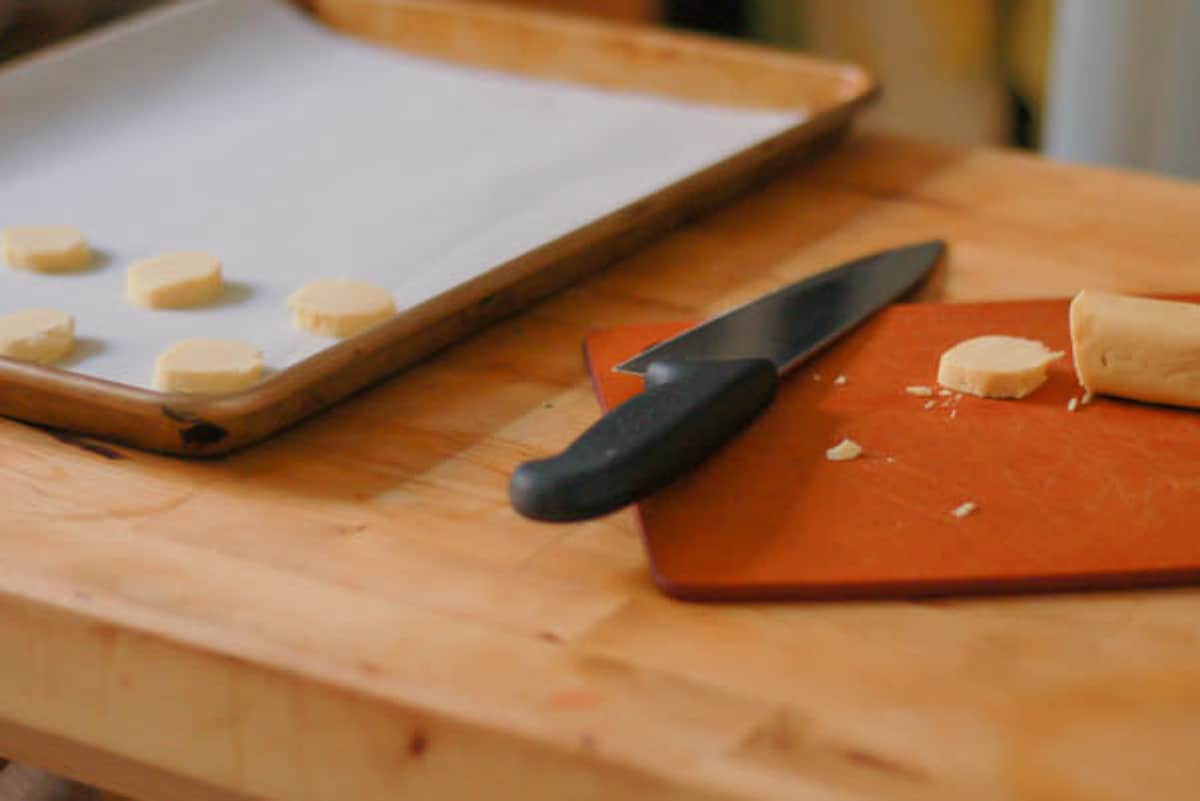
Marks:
<point>43,336</point>
<point>45,248</point>
<point>208,366</point>
<point>174,280</point>
<point>996,366</point>
<point>340,307</point>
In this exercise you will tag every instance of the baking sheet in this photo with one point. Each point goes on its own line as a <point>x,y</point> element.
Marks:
<point>292,152</point>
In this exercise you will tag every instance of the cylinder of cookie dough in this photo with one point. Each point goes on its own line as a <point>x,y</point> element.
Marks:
<point>1137,348</point>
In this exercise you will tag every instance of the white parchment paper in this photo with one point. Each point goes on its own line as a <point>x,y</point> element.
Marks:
<point>292,152</point>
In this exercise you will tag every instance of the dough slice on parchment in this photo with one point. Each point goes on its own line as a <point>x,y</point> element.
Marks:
<point>340,307</point>
<point>43,336</point>
<point>45,248</point>
<point>208,366</point>
<point>174,280</point>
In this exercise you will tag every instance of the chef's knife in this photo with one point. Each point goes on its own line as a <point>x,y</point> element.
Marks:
<point>705,385</point>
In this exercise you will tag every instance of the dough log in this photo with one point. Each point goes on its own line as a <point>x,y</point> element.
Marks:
<point>1137,348</point>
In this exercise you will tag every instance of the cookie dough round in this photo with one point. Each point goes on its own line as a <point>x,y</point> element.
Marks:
<point>996,366</point>
<point>45,248</point>
<point>340,307</point>
<point>37,335</point>
<point>208,366</point>
<point>174,280</point>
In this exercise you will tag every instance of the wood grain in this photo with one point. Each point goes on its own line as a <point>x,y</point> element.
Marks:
<point>579,50</point>
<point>352,610</point>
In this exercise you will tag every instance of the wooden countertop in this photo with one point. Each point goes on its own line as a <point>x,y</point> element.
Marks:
<point>353,611</point>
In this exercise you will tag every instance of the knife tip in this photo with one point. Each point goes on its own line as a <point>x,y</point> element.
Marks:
<point>938,245</point>
<point>929,252</point>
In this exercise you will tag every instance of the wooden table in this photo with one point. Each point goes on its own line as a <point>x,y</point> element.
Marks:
<point>353,611</point>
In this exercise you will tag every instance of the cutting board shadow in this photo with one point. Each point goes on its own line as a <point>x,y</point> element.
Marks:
<point>1099,498</point>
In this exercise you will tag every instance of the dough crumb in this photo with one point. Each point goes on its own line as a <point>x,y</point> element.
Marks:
<point>1072,404</point>
<point>996,366</point>
<point>930,404</point>
<point>45,248</point>
<point>945,393</point>
<point>208,366</point>
<point>1087,398</point>
<point>174,280</point>
<point>844,451</point>
<point>920,392</point>
<point>890,459</point>
<point>840,380</point>
<point>962,510</point>
<point>953,413</point>
<point>41,336</point>
<point>340,307</point>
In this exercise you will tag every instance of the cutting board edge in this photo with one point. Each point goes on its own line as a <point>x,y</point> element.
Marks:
<point>1044,584</point>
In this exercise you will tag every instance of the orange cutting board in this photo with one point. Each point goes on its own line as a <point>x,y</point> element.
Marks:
<point>1106,496</point>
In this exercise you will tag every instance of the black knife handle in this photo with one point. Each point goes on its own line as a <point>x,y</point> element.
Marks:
<point>687,410</point>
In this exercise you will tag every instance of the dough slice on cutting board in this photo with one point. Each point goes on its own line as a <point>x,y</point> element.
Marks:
<point>996,366</point>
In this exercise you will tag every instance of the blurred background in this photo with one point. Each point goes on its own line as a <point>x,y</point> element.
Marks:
<point>1100,81</point>
<point>1108,82</point>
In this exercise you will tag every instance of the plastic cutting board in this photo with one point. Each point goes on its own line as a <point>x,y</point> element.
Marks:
<point>1106,496</point>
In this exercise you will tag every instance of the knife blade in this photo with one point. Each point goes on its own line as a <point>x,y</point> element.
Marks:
<point>705,385</point>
